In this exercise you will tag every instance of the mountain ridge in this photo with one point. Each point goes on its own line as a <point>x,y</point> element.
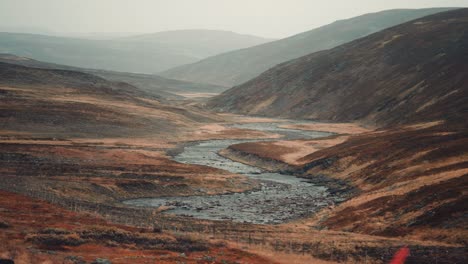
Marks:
<point>122,54</point>
<point>394,80</point>
<point>235,67</point>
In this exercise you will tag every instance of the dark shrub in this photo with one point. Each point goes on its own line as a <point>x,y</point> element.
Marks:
<point>4,224</point>
<point>53,240</point>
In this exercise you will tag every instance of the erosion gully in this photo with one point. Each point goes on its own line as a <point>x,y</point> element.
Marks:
<point>280,198</point>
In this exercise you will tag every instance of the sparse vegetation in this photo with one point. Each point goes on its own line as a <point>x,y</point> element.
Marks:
<point>80,147</point>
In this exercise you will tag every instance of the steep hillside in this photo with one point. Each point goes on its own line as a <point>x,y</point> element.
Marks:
<point>416,186</point>
<point>410,175</point>
<point>142,54</point>
<point>416,71</point>
<point>152,84</point>
<point>236,67</point>
<point>409,181</point>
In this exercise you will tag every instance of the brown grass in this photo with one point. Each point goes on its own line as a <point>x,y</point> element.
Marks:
<point>38,228</point>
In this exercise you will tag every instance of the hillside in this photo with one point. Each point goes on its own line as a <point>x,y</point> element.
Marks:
<point>75,104</point>
<point>409,73</point>
<point>409,181</point>
<point>62,123</point>
<point>152,84</point>
<point>73,141</point>
<point>141,54</point>
<point>408,173</point>
<point>237,67</point>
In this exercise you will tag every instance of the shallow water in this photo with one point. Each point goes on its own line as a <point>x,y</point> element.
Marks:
<point>280,198</point>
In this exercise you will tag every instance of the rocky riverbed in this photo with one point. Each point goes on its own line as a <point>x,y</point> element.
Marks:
<point>280,198</point>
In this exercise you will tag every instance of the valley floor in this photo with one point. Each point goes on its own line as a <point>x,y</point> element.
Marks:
<point>92,176</point>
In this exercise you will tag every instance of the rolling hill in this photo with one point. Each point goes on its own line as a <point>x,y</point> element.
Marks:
<point>236,67</point>
<point>198,42</point>
<point>75,104</point>
<point>141,54</point>
<point>68,137</point>
<point>409,73</point>
<point>152,84</point>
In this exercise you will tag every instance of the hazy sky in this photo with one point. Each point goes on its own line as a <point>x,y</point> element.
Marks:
<point>268,18</point>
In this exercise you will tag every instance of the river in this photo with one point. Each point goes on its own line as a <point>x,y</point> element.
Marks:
<point>281,197</point>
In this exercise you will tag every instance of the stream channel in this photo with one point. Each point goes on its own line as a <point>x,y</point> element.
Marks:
<point>280,198</point>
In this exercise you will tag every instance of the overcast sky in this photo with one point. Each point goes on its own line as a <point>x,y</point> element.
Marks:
<point>267,18</point>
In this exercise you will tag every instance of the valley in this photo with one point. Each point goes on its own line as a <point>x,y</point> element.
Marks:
<point>346,151</point>
<point>96,175</point>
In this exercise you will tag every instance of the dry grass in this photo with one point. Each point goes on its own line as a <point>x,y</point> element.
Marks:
<point>44,233</point>
<point>85,170</point>
<point>196,95</point>
<point>416,183</point>
<point>246,119</point>
<point>281,257</point>
<point>289,152</point>
<point>339,128</point>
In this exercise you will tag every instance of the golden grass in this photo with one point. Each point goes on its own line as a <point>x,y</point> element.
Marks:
<point>280,257</point>
<point>403,187</point>
<point>424,125</point>
<point>263,104</point>
<point>247,119</point>
<point>194,95</point>
<point>302,148</point>
<point>339,128</point>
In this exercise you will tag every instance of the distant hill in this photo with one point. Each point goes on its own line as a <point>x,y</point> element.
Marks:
<point>16,75</point>
<point>141,54</point>
<point>236,67</point>
<point>417,71</point>
<point>198,42</point>
<point>152,84</point>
